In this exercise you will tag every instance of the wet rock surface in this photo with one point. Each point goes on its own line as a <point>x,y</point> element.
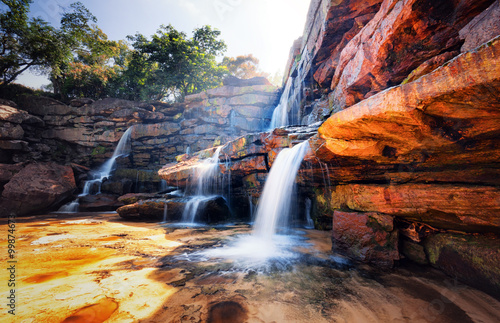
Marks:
<point>118,271</point>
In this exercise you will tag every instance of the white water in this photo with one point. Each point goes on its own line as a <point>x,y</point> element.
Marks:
<point>165,209</point>
<point>208,184</point>
<point>273,212</point>
<point>274,204</point>
<point>71,207</point>
<point>104,171</point>
<point>280,113</point>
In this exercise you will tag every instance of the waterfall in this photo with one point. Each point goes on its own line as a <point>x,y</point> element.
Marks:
<point>264,248</point>
<point>287,112</point>
<point>207,176</point>
<point>102,173</point>
<point>280,113</point>
<point>273,209</point>
<point>105,170</point>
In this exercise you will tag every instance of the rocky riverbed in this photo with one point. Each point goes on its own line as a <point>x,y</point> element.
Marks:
<point>95,267</point>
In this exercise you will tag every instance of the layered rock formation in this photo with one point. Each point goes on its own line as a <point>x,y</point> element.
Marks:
<point>406,165</point>
<point>86,132</point>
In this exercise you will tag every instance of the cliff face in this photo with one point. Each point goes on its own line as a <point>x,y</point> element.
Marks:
<point>406,163</point>
<point>413,137</point>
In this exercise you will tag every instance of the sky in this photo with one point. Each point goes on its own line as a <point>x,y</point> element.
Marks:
<point>264,28</point>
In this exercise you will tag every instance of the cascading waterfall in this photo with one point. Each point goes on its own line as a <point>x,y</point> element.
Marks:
<point>273,213</point>
<point>274,204</point>
<point>287,112</point>
<point>103,172</point>
<point>208,185</point>
<point>280,113</point>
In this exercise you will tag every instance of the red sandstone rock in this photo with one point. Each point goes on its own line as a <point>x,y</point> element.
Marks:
<point>482,28</point>
<point>401,36</point>
<point>37,187</point>
<point>457,207</point>
<point>366,237</point>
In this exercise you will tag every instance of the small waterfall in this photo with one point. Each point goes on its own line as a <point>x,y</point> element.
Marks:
<point>165,209</point>
<point>287,112</point>
<point>274,204</point>
<point>103,172</point>
<point>310,222</point>
<point>280,113</point>
<point>208,184</point>
<point>250,206</point>
<point>71,207</point>
<point>273,212</point>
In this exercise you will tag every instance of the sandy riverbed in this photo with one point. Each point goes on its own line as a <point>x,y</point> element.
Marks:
<point>97,268</point>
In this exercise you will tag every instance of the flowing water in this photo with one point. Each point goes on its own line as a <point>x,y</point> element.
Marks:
<point>273,214</point>
<point>103,172</point>
<point>273,210</point>
<point>208,185</point>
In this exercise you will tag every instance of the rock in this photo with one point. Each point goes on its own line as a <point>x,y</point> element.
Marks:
<point>7,171</point>
<point>99,203</point>
<point>366,237</point>
<point>8,103</point>
<point>10,131</point>
<point>80,102</point>
<point>211,210</point>
<point>482,28</point>
<point>132,198</point>
<point>42,106</point>
<point>430,119</point>
<point>246,166</point>
<point>441,206</point>
<point>430,65</point>
<point>36,188</point>
<point>108,106</point>
<point>343,20</point>
<point>234,81</point>
<point>11,114</point>
<point>472,259</point>
<point>14,145</point>
<point>401,36</point>
<point>413,251</point>
<point>154,130</point>
<point>153,210</point>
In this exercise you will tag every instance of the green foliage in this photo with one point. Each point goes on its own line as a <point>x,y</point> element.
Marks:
<point>170,65</point>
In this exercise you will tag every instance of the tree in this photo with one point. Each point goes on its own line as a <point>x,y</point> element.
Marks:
<point>244,66</point>
<point>75,55</point>
<point>97,63</point>
<point>26,43</point>
<point>170,65</point>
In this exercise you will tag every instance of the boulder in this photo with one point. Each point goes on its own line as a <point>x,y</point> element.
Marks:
<point>472,259</point>
<point>153,210</point>
<point>36,188</point>
<point>80,102</point>
<point>11,114</point>
<point>365,237</point>
<point>42,106</point>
